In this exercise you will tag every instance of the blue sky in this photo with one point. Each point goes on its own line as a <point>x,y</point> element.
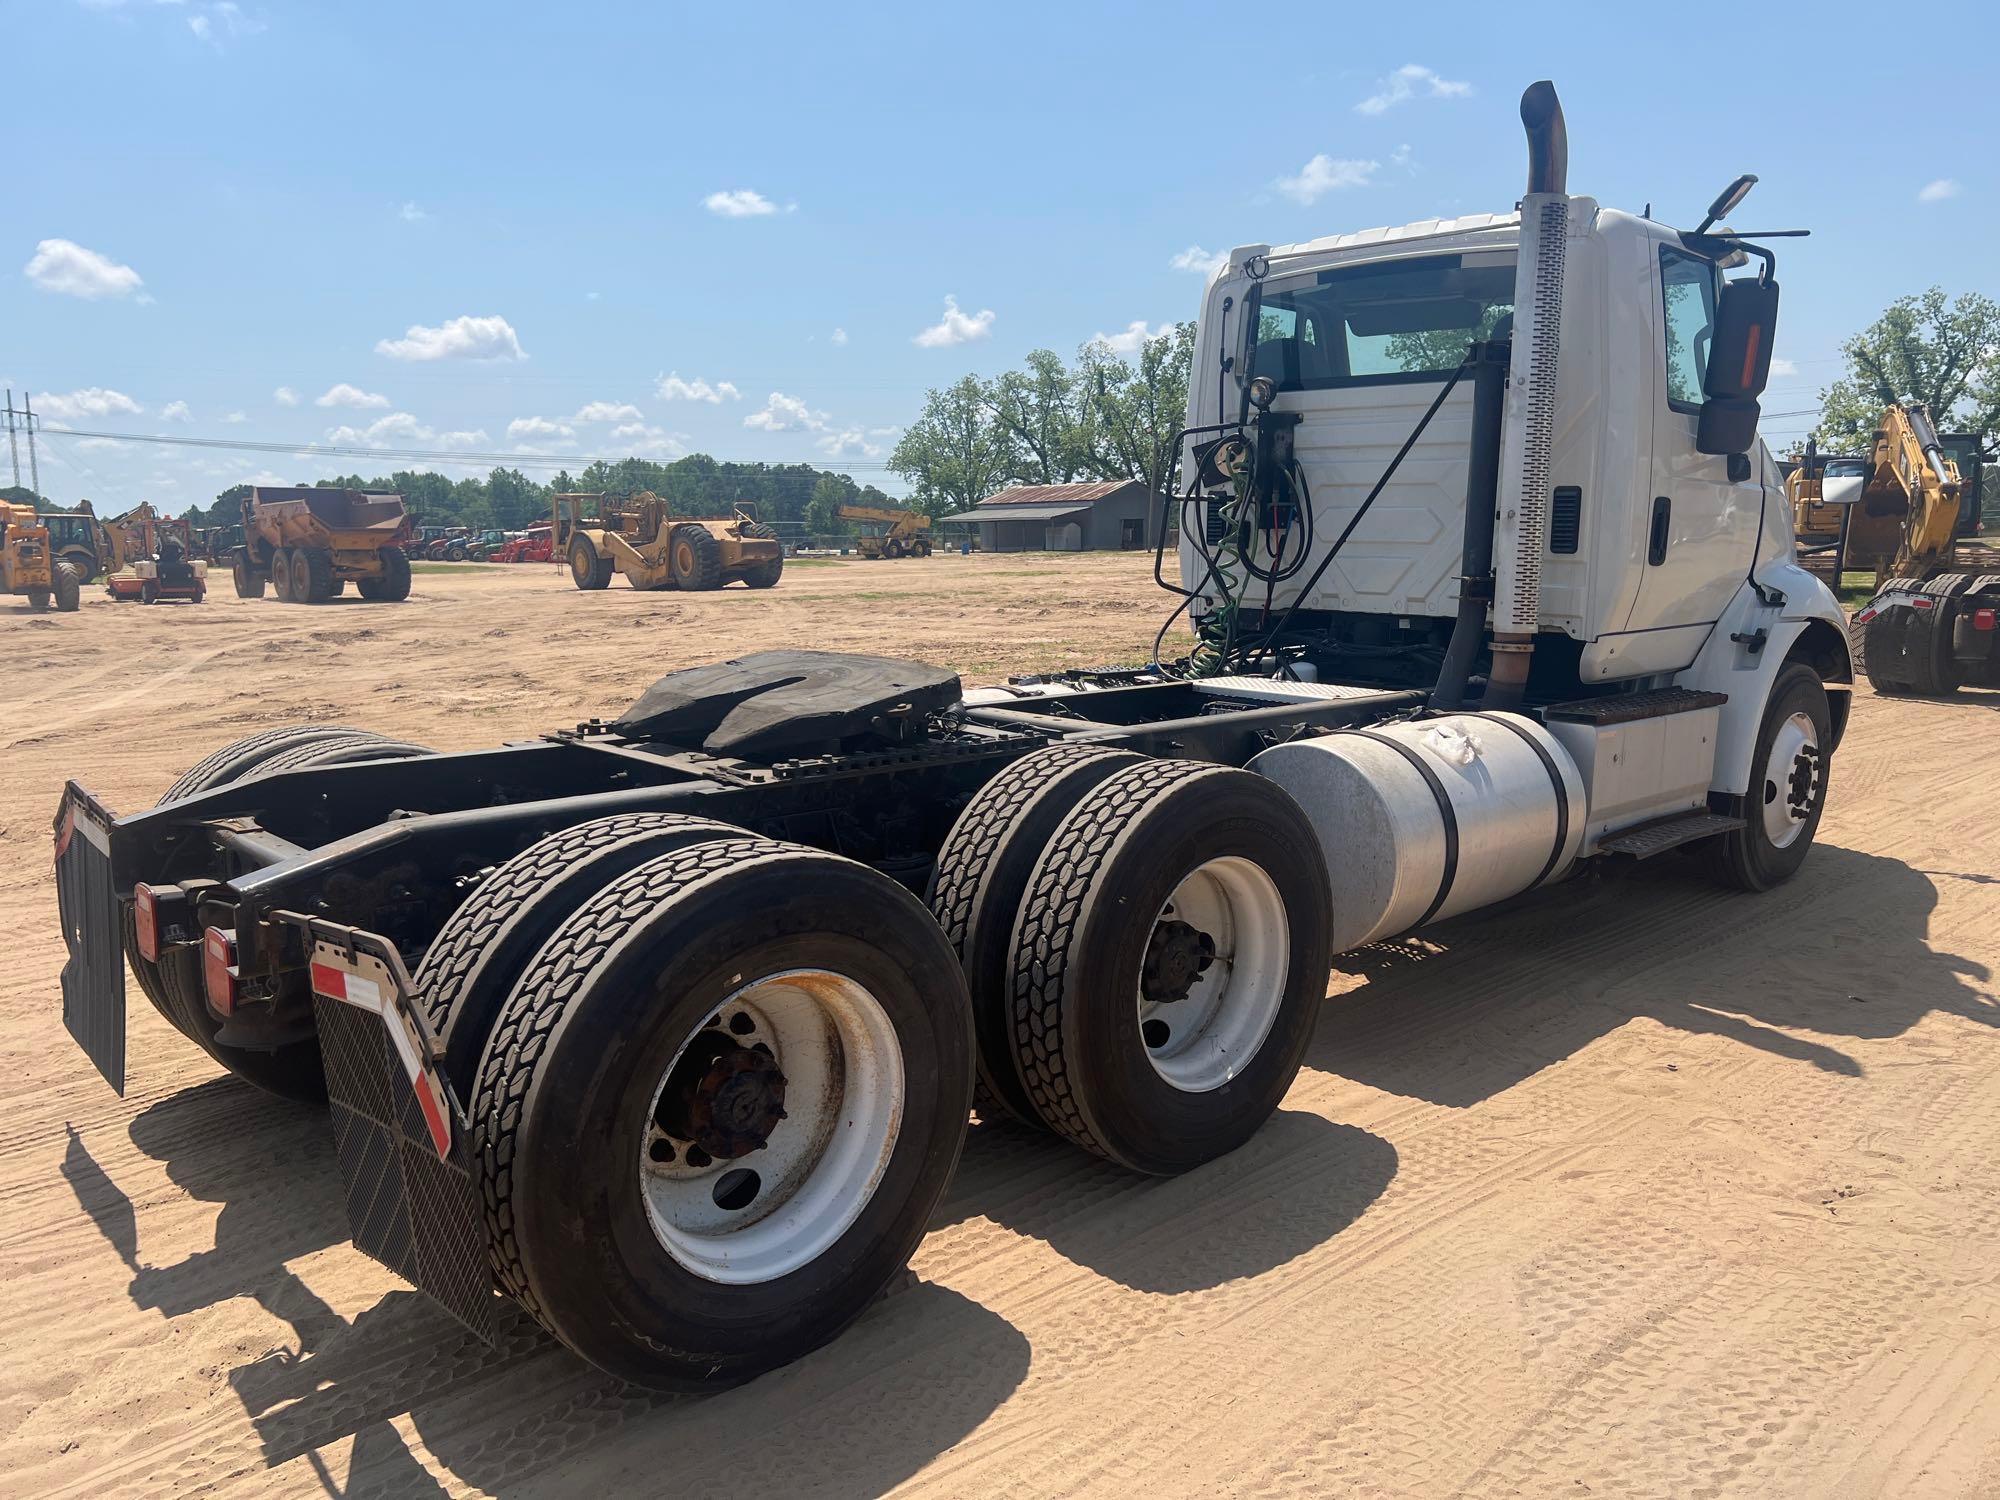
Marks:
<point>506,226</point>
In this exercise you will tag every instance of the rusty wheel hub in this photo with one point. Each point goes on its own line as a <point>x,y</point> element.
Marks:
<point>724,1098</point>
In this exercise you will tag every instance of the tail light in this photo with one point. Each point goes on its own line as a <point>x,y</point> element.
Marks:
<point>218,968</point>
<point>146,922</point>
<point>1983,619</point>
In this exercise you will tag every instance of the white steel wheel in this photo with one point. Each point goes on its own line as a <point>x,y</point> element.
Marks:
<point>769,1132</point>
<point>1791,784</point>
<point>1215,972</point>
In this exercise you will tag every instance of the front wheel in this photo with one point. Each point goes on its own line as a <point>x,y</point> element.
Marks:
<point>1787,794</point>
<point>719,1108</point>
<point>249,581</point>
<point>586,569</point>
<point>67,591</point>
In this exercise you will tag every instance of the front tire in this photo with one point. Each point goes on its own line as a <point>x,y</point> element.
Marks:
<point>248,580</point>
<point>694,559</point>
<point>1169,962</point>
<point>67,592</point>
<point>586,569</point>
<point>282,575</point>
<point>731,993</point>
<point>1788,774</point>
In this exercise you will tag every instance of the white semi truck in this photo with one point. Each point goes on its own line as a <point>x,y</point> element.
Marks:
<point>668,1028</point>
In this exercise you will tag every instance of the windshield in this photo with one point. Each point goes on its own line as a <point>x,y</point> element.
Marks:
<point>1388,321</point>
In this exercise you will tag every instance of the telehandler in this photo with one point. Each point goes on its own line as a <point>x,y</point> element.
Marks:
<point>641,539</point>
<point>667,1028</point>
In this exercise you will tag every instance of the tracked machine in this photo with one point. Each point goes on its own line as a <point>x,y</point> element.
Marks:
<point>667,1027</point>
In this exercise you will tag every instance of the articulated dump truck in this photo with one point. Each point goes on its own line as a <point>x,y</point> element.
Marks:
<point>667,1028</point>
<point>309,543</point>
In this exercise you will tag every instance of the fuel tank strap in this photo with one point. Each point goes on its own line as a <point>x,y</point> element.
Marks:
<point>1446,815</point>
<point>1555,780</point>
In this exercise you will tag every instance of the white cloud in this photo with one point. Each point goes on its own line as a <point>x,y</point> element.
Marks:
<point>284,395</point>
<point>461,338</point>
<point>848,443</point>
<point>1783,367</point>
<point>462,439</point>
<point>1400,157</point>
<point>91,401</point>
<point>1323,174</point>
<point>782,413</point>
<point>955,327</point>
<point>67,267</point>
<point>411,213</point>
<point>840,335</point>
<point>235,418</point>
<point>645,440</point>
<point>673,388</point>
<point>1202,262</point>
<point>344,394</point>
<point>1134,338</point>
<point>1931,192</point>
<point>397,427</point>
<point>1406,83</point>
<point>176,411</point>
<point>537,427</point>
<point>739,203</point>
<point>608,411</point>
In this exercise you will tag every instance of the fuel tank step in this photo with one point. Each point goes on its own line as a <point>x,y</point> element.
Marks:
<point>1657,837</point>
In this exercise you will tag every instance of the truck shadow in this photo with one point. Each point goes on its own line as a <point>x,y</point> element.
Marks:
<point>1458,1014</point>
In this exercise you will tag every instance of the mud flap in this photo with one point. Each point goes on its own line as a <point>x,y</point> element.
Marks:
<point>400,1136</point>
<point>93,977</point>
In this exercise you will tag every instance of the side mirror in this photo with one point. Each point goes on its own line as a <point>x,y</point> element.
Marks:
<point>1739,365</point>
<point>1843,489</point>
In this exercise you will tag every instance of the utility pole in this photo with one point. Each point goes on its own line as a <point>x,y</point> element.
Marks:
<point>12,442</point>
<point>34,469</point>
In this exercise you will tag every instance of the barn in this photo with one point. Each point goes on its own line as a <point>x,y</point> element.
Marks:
<point>1108,515</point>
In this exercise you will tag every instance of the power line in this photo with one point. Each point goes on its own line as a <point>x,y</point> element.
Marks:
<point>341,450</point>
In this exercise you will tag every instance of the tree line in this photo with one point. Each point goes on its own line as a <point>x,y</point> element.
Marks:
<point>787,495</point>
<point>1099,416</point>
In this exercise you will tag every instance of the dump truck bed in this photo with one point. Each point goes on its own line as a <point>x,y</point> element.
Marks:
<point>327,516</point>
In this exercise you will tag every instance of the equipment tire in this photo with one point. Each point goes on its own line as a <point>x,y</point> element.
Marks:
<point>67,590</point>
<point>1927,671</point>
<point>455,552</point>
<point>175,985</point>
<point>392,584</point>
<point>83,561</point>
<point>579,1067</point>
<point>312,575</point>
<point>766,574</point>
<point>586,569</point>
<point>249,582</point>
<point>1750,858</point>
<point>472,963</point>
<point>37,598</point>
<point>694,558</point>
<point>1155,844</point>
<point>281,574</point>
<point>982,876</point>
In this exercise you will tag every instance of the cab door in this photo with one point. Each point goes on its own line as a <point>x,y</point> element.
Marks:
<point>1698,526</point>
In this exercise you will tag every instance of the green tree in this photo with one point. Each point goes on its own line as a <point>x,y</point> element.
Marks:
<point>1135,410</point>
<point>1945,354</point>
<point>1045,415</point>
<point>822,517</point>
<point>954,454</point>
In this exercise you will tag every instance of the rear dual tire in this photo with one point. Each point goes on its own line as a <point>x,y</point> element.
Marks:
<point>701,1270</point>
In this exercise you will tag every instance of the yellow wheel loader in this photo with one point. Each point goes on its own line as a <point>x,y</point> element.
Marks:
<point>905,533</point>
<point>641,539</point>
<point>28,563</point>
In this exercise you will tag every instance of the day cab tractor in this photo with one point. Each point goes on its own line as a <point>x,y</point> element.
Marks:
<point>1933,625</point>
<point>901,533</point>
<point>641,539</point>
<point>28,563</point>
<point>309,543</point>
<point>667,1028</point>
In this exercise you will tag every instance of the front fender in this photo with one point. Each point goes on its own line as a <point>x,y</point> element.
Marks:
<point>1739,661</point>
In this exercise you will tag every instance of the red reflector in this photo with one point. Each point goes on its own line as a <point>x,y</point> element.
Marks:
<point>1982,619</point>
<point>218,967</point>
<point>1750,347</point>
<point>1865,616</point>
<point>146,922</point>
<point>1923,601</point>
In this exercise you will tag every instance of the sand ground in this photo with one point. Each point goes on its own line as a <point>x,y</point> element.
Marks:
<point>1636,1188</point>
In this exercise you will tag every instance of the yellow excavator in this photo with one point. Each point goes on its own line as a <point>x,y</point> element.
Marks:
<point>905,533</point>
<point>1929,629</point>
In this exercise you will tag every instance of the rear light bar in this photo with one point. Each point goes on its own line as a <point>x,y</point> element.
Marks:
<point>218,968</point>
<point>146,922</point>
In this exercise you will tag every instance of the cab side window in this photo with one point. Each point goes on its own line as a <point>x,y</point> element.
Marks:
<point>1687,288</point>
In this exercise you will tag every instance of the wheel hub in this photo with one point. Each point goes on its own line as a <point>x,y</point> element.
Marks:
<point>1801,786</point>
<point>724,1098</point>
<point>1176,956</point>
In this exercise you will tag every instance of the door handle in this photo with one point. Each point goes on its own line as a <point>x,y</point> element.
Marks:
<point>1656,546</point>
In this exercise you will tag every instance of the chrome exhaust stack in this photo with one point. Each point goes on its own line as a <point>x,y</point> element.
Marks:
<point>1528,426</point>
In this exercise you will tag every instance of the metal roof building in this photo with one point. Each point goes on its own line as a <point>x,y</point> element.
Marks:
<point>1107,515</point>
